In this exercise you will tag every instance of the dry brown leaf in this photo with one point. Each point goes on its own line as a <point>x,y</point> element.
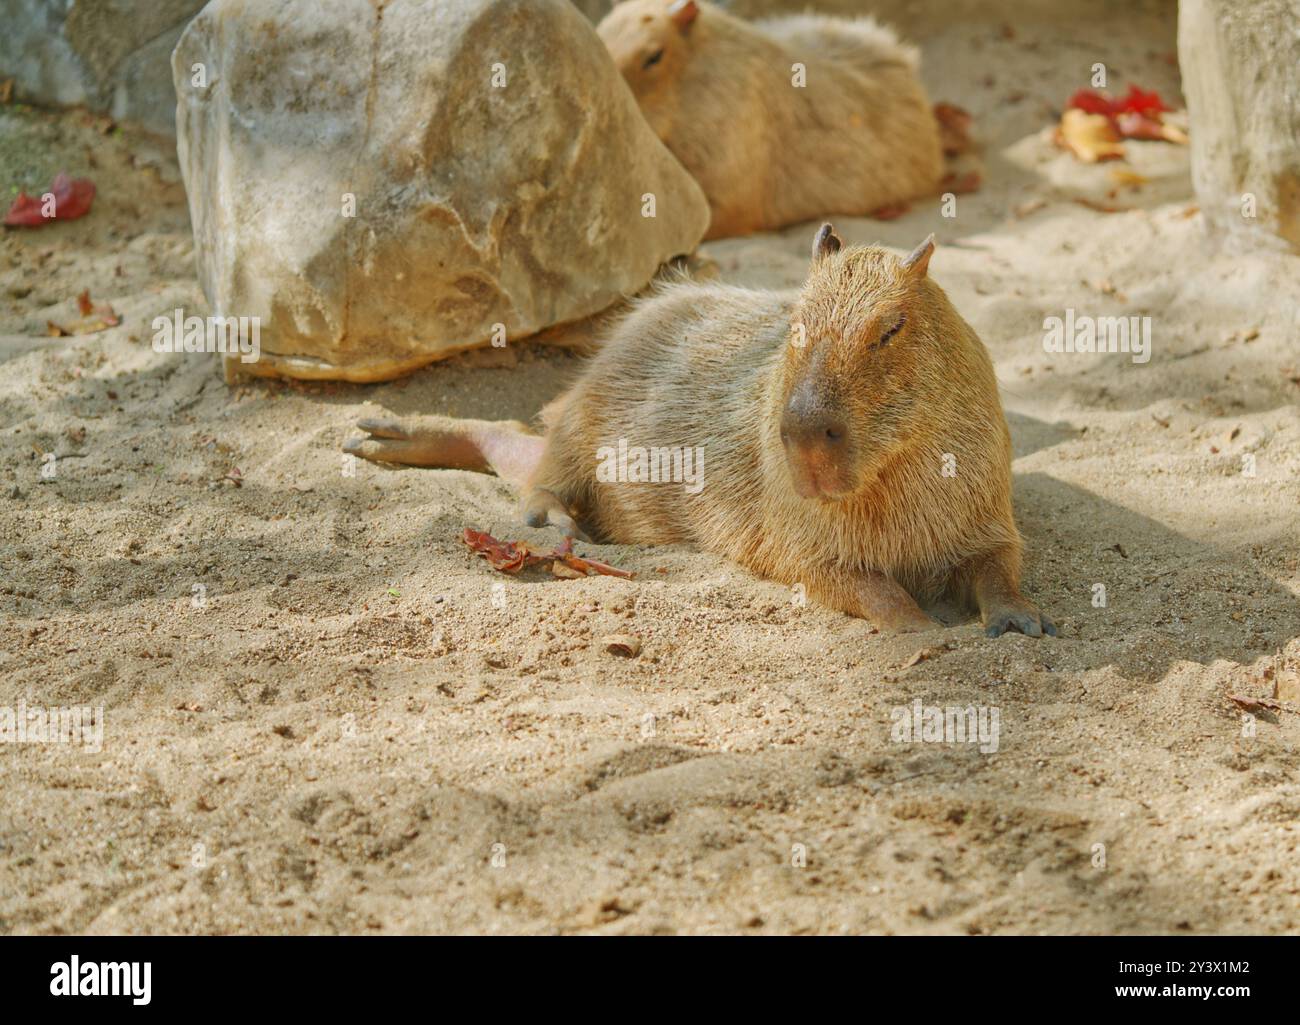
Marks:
<point>921,656</point>
<point>513,556</point>
<point>961,184</point>
<point>1029,206</point>
<point>1123,176</point>
<point>891,213</point>
<point>1247,703</point>
<point>93,319</point>
<point>1090,137</point>
<point>1102,208</point>
<point>1133,125</point>
<point>954,128</point>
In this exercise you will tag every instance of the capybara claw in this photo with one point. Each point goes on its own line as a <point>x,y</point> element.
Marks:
<point>1025,621</point>
<point>371,449</point>
<point>383,428</point>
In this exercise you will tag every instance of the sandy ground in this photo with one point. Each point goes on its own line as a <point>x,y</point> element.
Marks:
<point>357,733</point>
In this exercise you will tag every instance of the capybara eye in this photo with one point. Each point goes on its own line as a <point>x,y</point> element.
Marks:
<point>884,339</point>
<point>653,59</point>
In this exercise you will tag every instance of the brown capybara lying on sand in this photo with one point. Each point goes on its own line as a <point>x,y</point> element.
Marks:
<point>770,145</point>
<point>847,437</point>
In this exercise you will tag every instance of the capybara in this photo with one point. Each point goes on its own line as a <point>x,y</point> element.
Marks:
<point>784,120</point>
<point>847,436</point>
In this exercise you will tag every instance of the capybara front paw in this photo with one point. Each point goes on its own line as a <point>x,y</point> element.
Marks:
<point>915,624</point>
<point>1024,618</point>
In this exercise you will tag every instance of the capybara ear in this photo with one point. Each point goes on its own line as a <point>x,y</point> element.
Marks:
<point>683,12</point>
<point>826,243</point>
<point>919,259</point>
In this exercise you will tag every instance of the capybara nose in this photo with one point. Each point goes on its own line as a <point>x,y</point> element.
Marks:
<point>813,429</point>
<point>815,447</point>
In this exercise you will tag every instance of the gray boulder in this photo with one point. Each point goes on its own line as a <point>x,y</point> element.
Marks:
<point>112,56</point>
<point>109,55</point>
<point>383,185</point>
<point>1241,75</point>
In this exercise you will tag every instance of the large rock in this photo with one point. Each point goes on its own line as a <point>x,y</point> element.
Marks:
<point>476,204</point>
<point>113,56</point>
<point>594,9</point>
<point>109,55</point>
<point>1240,61</point>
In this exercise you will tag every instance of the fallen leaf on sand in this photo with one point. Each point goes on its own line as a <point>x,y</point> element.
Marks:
<point>1101,208</point>
<point>1135,101</point>
<point>921,656</point>
<point>961,184</point>
<point>502,555</point>
<point>622,644</point>
<point>1090,137</point>
<point>93,319</point>
<point>1251,704</point>
<point>72,199</point>
<point>954,128</point>
<point>1136,115</point>
<point>1123,176</point>
<point>1132,125</point>
<point>513,556</point>
<point>891,213</point>
<point>565,552</point>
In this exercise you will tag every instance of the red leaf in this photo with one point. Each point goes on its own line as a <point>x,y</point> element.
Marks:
<point>1140,102</point>
<point>1092,102</point>
<point>502,555</point>
<point>954,128</point>
<point>590,566</point>
<point>513,556</point>
<point>1133,125</point>
<point>961,184</point>
<point>890,212</point>
<point>72,199</point>
<point>1135,101</point>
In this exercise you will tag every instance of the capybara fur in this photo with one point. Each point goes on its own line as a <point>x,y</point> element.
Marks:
<point>847,436</point>
<point>770,145</point>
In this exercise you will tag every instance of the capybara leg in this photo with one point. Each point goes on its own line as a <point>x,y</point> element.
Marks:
<point>503,447</point>
<point>996,583</point>
<point>542,507</point>
<point>876,598</point>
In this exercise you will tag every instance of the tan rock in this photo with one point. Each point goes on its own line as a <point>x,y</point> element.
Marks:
<point>496,161</point>
<point>1239,61</point>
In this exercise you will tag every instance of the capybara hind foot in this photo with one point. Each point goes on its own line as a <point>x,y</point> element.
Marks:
<point>503,447</point>
<point>876,598</point>
<point>542,508</point>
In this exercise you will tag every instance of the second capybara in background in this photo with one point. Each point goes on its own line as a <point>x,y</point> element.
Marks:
<point>782,120</point>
